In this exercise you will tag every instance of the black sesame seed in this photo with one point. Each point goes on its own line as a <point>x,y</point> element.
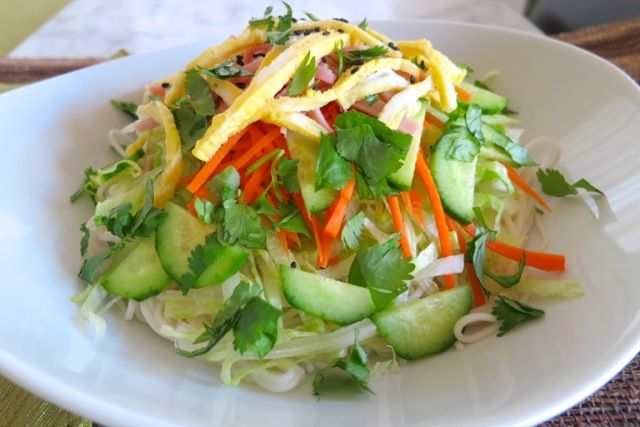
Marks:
<point>326,33</point>
<point>390,44</point>
<point>340,30</point>
<point>341,20</point>
<point>241,85</point>
<point>316,29</point>
<point>293,264</point>
<point>258,55</point>
<point>324,59</point>
<point>355,70</point>
<point>358,61</point>
<point>239,60</point>
<point>307,32</point>
<point>412,79</point>
<point>166,85</point>
<point>294,20</point>
<point>298,32</point>
<point>394,47</point>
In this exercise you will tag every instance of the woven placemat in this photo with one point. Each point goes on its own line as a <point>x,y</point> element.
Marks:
<point>615,404</point>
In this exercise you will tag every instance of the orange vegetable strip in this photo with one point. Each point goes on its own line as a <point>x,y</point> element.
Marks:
<point>463,95</point>
<point>476,287</point>
<point>398,224</point>
<point>314,226</point>
<point>293,237</point>
<point>282,236</point>
<point>246,157</point>
<point>333,226</point>
<point>253,188</point>
<point>526,188</point>
<point>432,120</point>
<point>438,212</point>
<point>207,170</point>
<point>541,260</point>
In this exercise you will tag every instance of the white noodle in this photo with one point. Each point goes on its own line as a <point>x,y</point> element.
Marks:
<point>131,309</point>
<point>466,338</point>
<point>279,382</point>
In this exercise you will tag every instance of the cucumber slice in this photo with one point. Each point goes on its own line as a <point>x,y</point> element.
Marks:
<point>490,102</point>
<point>455,181</point>
<point>139,274</point>
<point>177,235</point>
<point>329,299</point>
<point>403,177</point>
<point>306,151</point>
<point>425,326</point>
<point>226,262</point>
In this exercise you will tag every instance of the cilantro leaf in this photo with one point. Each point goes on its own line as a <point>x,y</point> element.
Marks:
<point>295,223</point>
<point>198,92</point>
<point>204,209</point>
<point>482,85</point>
<point>355,366</point>
<point>225,319</point>
<point>466,67</point>
<point>257,327</point>
<point>200,258</point>
<point>264,206</point>
<point>384,270</point>
<point>242,225</point>
<point>305,72</point>
<point>464,146</point>
<point>507,281</point>
<point>355,56</point>
<point>351,232</point>
<point>337,49</point>
<point>190,124</point>
<point>288,174</point>
<point>225,185</point>
<point>226,71</point>
<point>90,266</point>
<point>517,152</point>
<point>473,120</point>
<point>332,171</point>
<point>371,99</point>
<point>363,24</point>
<point>266,21</point>
<point>282,29</point>
<point>129,108</point>
<point>311,16</point>
<point>511,313</point>
<point>84,242</point>
<point>554,184</point>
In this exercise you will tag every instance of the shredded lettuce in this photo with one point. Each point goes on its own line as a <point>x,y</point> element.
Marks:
<point>196,302</point>
<point>92,301</point>
<point>545,288</point>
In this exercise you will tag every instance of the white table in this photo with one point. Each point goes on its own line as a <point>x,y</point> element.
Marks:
<point>98,28</point>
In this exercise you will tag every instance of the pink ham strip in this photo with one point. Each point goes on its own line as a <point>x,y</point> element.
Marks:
<point>372,110</point>
<point>145,125</point>
<point>221,106</point>
<point>325,74</point>
<point>157,91</point>
<point>257,49</point>
<point>409,126</point>
<point>387,95</point>
<point>319,117</point>
<point>252,66</point>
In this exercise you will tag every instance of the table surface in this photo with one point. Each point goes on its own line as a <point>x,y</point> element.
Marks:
<point>140,27</point>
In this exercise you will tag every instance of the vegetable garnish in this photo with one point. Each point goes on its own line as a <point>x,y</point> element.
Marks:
<point>303,184</point>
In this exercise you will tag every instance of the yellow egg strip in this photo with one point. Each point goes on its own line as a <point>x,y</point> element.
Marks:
<point>296,122</point>
<point>224,88</point>
<point>165,183</point>
<point>264,86</point>
<point>213,56</point>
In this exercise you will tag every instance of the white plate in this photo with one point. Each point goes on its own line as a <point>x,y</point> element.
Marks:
<point>52,130</point>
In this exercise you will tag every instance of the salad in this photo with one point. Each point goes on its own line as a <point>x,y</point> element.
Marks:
<point>312,197</point>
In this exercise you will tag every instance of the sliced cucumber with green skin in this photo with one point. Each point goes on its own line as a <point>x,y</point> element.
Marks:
<point>329,299</point>
<point>403,177</point>
<point>490,102</point>
<point>455,181</point>
<point>139,274</point>
<point>227,261</point>
<point>177,235</point>
<point>490,151</point>
<point>424,326</point>
<point>306,151</point>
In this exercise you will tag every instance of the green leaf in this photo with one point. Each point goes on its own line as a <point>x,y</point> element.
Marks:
<point>511,313</point>
<point>266,21</point>
<point>371,99</point>
<point>305,72</point>
<point>295,223</point>
<point>332,171</point>
<point>204,209</point>
<point>363,24</point>
<point>226,71</point>
<point>517,152</point>
<point>464,146</point>
<point>352,231</point>
<point>225,319</point>
<point>225,184</point>
<point>264,207</point>
<point>355,56</point>
<point>340,55</point>
<point>482,85</point>
<point>476,253</point>
<point>311,16</point>
<point>84,242</point>
<point>198,92</point>
<point>242,225</point>
<point>473,120</point>
<point>94,179</point>
<point>129,108</point>
<point>257,327</point>
<point>282,29</point>
<point>385,270</point>
<point>466,67</point>
<point>190,124</point>
<point>288,174</point>
<point>200,258</point>
<point>90,266</point>
<point>355,366</point>
<point>507,281</point>
<point>554,184</point>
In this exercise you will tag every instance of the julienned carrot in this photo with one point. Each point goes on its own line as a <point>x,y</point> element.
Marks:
<point>541,260</point>
<point>522,184</point>
<point>282,236</point>
<point>314,225</point>
<point>253,189</point>
<point>246,157</point>
<point>476,287</point>
<point>463,95</point>
<point>398,225</point>
<point>207,170</point>
<point>292,237</point>
<point>333,225</point>
<point>432,120</point>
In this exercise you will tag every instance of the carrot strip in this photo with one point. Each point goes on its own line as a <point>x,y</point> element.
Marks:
<point>476,287</point>
<point>207,170</point>
<point>432,120</point>
<point>261,143</point>
<point>463,95</point>
<point>398,225</point>
<point>253,188</point>
<point>282,236</point>
<point>438,212</point>
<point>522,184</point>
<point>314,226</point>
<point>292,237</point>
<point>541,260</point>
<point>333,226</point>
